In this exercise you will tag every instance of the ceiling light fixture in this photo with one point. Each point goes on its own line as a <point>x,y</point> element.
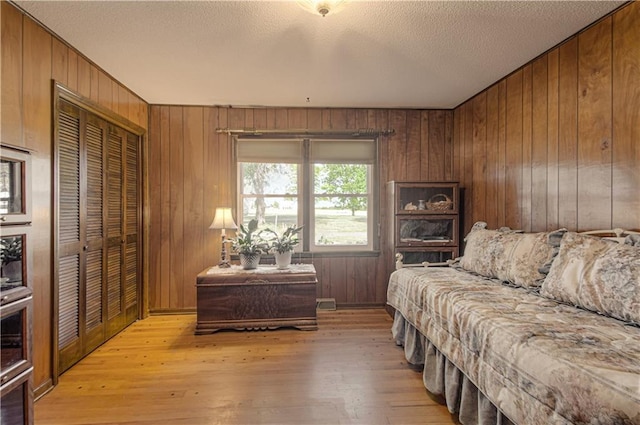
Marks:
<point>322,7</point>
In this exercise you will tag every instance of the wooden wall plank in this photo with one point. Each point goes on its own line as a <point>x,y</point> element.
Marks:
<point>457,134</point>
<point>568,134</point>
<point>194,228</point>
<point>94,73</point>
<point>350,280</point>
<point>11,87</point>
<point>513,150</point>
<point>414,145</point>
<point>296,117</point>
<point>502,143</point>
<point>176,167</point>
<point>478,163</point>
<point>225,151</point>
<point>436,145</point>
<point>260,118</point>
<point>105,88</point>
<point>380,119</point>
<point>211,180</point>
<point>595,127</point>
<point>72,71</point>
<point>424,151</point>
<point>314,118</point>
<point>362,118</point>
<point>398,145</point>
<point>626,118</point>
<point>59,61</point>
<point>552,141</point>
<point>338,118</point>
<point>155,206</point>
<point>469,184</point>
<point>539,134</point>
<point>492,145</point>
<point>527,148</point>
<point>448,146</point>
<point>165,212</point>
<point>84,77</point>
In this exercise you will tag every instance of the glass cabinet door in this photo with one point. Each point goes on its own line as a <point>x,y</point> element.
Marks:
<point>15,175</point>
<point>426,231</point>
<point>13,263</point>
<point>14,343</point>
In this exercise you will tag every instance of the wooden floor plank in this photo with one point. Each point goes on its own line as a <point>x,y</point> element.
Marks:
<point>157,371</point>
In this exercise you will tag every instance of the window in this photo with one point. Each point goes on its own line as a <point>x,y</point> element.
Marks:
<point>327,185</point>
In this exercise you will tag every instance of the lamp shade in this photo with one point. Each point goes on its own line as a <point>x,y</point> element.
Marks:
<point>223,219</point>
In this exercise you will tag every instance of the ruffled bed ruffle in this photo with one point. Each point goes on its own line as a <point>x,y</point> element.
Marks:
<point>443,378</point>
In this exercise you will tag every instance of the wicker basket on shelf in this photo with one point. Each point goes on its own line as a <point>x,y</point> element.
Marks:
<point>439,202</point>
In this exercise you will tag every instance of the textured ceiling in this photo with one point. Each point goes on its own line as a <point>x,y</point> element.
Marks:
<point>412,54</point>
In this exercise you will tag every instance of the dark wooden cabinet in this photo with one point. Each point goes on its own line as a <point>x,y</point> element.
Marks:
<point>97,223</point>
<point>16,367</point>
<point>425,220</point>
<point>265,298</point>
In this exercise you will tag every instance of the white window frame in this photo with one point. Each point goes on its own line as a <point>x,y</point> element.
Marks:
<point>306,195</point>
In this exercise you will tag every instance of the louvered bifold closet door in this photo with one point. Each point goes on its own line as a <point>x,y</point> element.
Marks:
<point>80,243</point>
<point>116,317</point>
<point>69,243</point>
<point>95,134</point>
<point>132,261</point>
<point>97,274</point>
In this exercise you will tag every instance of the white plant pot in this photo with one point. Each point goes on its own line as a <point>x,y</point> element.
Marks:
<point>249,261</point>
<point>283,260</point>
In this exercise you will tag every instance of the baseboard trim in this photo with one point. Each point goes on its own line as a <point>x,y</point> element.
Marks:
<point>43,389</point>
<point>160,312</point>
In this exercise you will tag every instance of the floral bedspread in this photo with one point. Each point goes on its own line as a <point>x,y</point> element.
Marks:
<point>537,360</point>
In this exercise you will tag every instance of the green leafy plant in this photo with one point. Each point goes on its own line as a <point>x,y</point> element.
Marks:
<point>10,249</point>
<point>283,242</point>
<point>248,241</point>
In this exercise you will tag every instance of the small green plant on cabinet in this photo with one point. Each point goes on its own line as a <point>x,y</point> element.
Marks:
<point>284,242</point>
<point>248,241</point>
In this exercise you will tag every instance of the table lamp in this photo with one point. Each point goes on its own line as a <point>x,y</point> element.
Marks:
<point>223,220</point>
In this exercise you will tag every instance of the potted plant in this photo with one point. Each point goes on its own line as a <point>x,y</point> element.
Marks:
<point>249,245</point>
<point>282,244</point>
<point>11,258</point>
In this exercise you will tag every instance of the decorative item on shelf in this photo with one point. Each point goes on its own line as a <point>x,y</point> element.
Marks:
<point>439,202</point>
<point>282,245</point>
<point>11,258</point>
<point>421,205</point>
<point>249,245</point>
<point>410,207</point>
<point>223,220</point>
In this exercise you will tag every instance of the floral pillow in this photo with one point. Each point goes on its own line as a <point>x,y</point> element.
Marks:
<point>597,275</point>
<point>521,259</point>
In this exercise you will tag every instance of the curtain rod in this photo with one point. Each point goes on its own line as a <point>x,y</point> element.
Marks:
<point>360,132</point>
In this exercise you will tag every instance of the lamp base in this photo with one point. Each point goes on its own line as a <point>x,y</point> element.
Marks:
<point>224,265</point>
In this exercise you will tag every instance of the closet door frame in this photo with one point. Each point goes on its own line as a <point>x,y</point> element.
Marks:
<point>62,92</point>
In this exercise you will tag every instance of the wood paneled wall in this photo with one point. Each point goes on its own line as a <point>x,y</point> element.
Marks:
<point>190,174</point>
<point>554,144</point>
<point>31,59</point>
<point>557,142</point>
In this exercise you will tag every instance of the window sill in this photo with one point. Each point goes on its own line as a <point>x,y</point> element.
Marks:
<point>322,254</point>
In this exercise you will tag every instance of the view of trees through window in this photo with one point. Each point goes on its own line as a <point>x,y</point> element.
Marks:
<point>338,204</point>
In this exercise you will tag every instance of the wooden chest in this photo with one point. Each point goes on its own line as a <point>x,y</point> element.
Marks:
<point>265,298</point>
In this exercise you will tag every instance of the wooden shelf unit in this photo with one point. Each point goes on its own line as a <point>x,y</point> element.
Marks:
<point>424,220</point>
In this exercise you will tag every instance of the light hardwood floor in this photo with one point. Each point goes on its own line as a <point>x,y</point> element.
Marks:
<point>158,372</point>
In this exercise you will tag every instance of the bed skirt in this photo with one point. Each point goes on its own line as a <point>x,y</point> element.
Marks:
<point>443,378</point>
